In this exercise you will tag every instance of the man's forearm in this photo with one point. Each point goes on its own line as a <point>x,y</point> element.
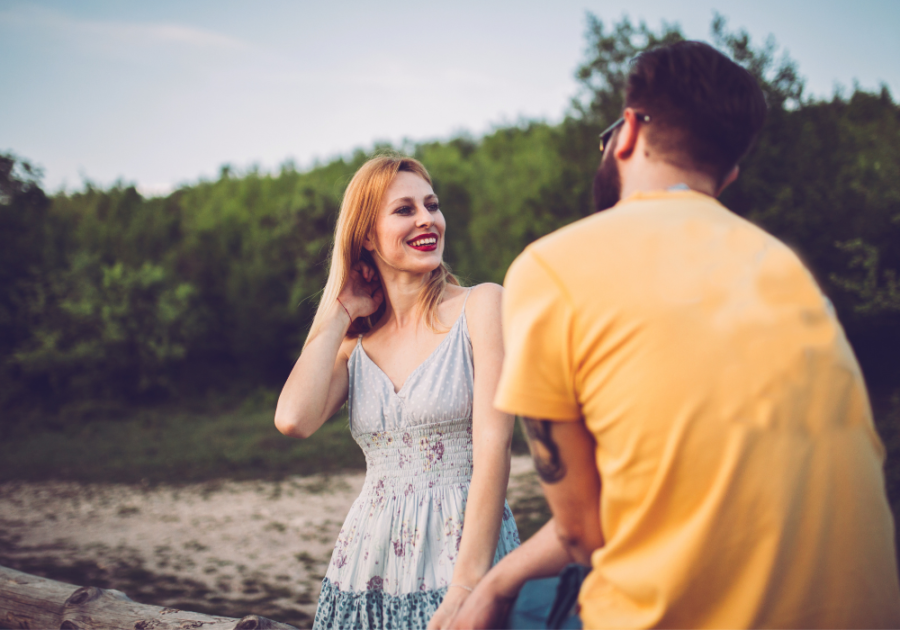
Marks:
<point>542,555</point>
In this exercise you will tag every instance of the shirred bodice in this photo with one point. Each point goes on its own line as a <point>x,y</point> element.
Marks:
<point>418,458</point>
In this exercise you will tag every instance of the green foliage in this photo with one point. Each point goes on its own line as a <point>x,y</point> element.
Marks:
<point>23,255</point>
<point>108,331</point>
<point>876,292</point>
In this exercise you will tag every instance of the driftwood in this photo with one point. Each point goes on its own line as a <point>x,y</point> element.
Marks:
<point>29,601</point>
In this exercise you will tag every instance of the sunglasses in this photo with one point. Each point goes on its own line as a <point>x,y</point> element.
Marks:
<point>607,133</point>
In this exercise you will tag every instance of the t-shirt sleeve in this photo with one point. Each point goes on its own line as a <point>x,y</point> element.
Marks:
<point>537,380</point>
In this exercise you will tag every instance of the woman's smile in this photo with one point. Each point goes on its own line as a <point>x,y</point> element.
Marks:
<point>424,243</point>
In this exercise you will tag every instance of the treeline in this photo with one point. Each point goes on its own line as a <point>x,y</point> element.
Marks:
<point>111,298</point>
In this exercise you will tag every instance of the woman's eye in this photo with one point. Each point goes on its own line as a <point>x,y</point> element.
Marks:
<point>433,207</point>
<point>404,210</point>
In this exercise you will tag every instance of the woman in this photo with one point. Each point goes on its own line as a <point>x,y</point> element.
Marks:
<point>396,334</point>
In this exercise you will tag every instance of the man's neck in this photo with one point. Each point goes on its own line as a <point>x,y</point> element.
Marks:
<point>654,176</point>
<point>645,170</point>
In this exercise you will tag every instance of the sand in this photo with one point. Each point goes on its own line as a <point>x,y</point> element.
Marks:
<point>226,548</point>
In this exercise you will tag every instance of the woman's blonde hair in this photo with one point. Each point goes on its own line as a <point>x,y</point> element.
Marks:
<point>356,220</point>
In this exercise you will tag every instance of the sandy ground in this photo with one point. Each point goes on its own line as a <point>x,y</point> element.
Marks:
<point>227,548</point>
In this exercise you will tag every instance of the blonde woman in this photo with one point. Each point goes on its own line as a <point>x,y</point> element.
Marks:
<point>419,358</point>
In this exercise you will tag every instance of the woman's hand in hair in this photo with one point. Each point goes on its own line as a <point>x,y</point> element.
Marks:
<point>362,293</point>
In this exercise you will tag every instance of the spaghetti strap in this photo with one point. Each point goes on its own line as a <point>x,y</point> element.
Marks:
<point>465,301</point>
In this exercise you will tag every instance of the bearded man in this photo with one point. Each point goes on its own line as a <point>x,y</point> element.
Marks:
<point>696,415</point>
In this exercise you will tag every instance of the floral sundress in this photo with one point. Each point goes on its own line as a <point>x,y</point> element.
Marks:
<point>394,557</point>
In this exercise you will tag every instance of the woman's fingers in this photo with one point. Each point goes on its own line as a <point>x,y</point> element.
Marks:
<point>371,274</point>
<point>366,270</point>
<point>440,620</point>
<point>446,612</point>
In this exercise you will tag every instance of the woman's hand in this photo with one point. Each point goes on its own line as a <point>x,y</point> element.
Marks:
<point>453,601</point>
<point>362,293</point>
<point>483,609</point>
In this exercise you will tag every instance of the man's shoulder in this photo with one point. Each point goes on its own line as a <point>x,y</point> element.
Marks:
<point>572,237</point>
<point>551,260</point>
<point>591,235</point>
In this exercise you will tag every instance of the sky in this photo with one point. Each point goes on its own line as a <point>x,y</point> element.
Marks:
<point>163,93</point>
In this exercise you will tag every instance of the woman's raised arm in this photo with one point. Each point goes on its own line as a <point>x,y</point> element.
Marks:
<point>317,386</point>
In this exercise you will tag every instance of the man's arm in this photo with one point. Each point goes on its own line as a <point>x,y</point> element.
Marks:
<point>563,454</point>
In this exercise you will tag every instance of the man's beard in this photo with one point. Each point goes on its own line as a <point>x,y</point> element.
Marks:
<point>607,182</point>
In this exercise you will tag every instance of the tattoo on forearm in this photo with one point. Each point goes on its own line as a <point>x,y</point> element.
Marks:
<point>544,450</point>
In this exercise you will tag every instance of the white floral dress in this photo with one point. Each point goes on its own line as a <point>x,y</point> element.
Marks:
<point>394,557</point>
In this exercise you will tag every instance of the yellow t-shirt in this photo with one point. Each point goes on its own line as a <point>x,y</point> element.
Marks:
<point>742,474</point>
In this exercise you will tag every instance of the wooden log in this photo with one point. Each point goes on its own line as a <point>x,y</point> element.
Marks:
<point>29,601</point>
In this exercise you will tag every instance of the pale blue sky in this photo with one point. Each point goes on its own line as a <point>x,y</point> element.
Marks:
<point>164,93</point>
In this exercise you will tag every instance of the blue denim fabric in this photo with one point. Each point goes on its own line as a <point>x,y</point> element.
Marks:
<point>550,602</point>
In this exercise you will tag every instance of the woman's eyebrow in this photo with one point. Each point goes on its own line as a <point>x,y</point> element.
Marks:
<point>412,200</point>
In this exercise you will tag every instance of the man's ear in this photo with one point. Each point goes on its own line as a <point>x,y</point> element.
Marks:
<point>628,135</point>
<point>732,175</point>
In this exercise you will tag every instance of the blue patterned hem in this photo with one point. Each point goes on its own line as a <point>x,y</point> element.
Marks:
<point>375,608</point>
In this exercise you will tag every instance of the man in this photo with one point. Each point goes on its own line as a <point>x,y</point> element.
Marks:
<point>685,361</point>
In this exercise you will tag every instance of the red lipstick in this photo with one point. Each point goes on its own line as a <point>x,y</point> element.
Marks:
<point>424,242</point>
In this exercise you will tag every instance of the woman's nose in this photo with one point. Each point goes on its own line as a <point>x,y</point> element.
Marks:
<point>424,217</point>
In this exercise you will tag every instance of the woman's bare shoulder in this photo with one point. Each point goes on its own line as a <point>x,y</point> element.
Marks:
<point>486,294</point>
<point>483,305</point>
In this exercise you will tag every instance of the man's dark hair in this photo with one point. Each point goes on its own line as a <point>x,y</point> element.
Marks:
<point>705,110</point>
